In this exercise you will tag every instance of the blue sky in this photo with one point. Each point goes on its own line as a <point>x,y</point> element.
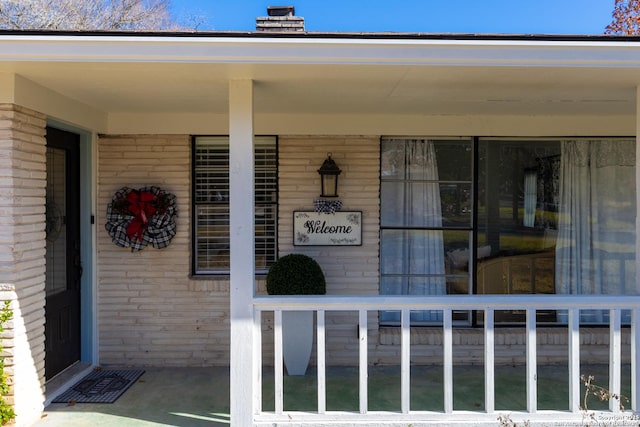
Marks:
<point>439,16</point>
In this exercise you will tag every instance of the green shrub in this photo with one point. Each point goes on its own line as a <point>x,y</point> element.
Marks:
<point>296,274</point>
<point>6,410</point>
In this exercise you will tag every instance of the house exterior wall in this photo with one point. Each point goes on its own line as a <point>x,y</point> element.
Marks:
<point>152,312</point>
<point>348,269</point>
<point>22,255</point>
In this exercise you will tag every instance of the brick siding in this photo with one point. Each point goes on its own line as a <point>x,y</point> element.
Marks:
<point>150,312</point>
<point>22,255</point>
<point>348,269</point>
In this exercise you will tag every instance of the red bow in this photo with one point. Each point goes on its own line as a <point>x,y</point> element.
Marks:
<point>140,205</point>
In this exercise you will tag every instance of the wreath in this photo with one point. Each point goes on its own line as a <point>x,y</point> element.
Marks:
<point>136,218</point>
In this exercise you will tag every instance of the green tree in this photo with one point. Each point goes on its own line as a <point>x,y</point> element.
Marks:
<point>86,15</point>
<point>626,18</point>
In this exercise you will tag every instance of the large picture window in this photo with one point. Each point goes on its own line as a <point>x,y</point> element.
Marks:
<point>211,204</point>
<point>507,216</point>
<point>426,209</point>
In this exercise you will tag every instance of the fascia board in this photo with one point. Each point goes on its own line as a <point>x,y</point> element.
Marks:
<point>230,50</point>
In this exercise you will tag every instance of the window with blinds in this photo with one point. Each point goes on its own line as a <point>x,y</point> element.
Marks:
<point>211,204</point>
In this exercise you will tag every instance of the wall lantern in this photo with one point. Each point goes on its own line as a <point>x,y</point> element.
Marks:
<point>329,172</point>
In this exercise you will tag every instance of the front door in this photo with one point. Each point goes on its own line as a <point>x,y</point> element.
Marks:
<point>63,272</point>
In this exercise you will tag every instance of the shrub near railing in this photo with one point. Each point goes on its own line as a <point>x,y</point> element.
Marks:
<point>6,410</point>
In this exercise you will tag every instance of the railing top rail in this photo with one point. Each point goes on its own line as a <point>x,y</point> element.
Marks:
<point>438,302</point>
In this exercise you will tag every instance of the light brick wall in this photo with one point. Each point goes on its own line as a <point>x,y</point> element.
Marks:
<point>348,269</point>
<point>510,346</point>
<point>355,270</point>
<point>22,254</point>
<point>150,312</point>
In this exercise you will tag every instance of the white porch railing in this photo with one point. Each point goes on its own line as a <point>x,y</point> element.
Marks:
<point>487,304</point>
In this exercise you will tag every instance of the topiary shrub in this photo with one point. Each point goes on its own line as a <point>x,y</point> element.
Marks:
<point>296,274</point>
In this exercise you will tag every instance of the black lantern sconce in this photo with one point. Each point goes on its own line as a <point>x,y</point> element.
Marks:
<point>329,172</point>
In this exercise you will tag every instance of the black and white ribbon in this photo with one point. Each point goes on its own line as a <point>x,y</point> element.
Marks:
<point>159,230</point>
<point>327,206</point>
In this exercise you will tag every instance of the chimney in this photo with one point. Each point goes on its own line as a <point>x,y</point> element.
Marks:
<point>281,19</point>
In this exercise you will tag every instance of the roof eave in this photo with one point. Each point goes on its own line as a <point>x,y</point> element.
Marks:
<point>396,49</point>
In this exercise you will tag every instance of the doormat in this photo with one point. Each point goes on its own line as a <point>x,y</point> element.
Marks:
<point>100,386</point>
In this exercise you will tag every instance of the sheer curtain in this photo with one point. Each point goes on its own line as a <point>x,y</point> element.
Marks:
<point>530,198</point>
<point>595,251</point>
<point>413,257</point>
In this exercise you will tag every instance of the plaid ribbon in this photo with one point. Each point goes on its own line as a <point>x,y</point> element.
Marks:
<point>159,230</point>
<point>327,206</point>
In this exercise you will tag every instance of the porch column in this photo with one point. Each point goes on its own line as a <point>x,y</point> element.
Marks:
<point>241,182</point>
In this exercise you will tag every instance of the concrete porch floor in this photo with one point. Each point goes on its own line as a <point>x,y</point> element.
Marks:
<point>161,397</point>
<point>200,396</point>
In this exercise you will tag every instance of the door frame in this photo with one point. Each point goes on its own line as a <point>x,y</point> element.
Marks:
<point>88,283</point>
<point>62,307</point>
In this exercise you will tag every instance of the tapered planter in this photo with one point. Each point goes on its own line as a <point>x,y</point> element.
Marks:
<point>296,274</point>
<point>297,340</point>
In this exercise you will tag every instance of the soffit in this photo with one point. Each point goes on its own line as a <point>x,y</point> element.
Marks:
<point>341,86</point>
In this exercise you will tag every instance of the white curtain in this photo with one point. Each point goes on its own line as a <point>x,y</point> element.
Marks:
<point>530,198</point>
<point>595,251</point>
<point>416,256</point>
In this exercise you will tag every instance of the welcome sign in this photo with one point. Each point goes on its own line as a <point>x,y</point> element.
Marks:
<point>342,228</point>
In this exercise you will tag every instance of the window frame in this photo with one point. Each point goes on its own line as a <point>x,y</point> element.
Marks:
<point>474,319</point>
<point>273,205</point>
<point>471,229</point>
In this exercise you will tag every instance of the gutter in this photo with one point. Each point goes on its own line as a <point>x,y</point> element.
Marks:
<point>321,48</point>
<point>331,35</point>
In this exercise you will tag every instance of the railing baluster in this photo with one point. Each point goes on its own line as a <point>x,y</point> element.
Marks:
<point>277,361</point>
<point>321,362</point>
<point>489,361</point>
<point>635,360</point>
<point>574,359</point>
<point>405,360</point>
<point>616,307</point>
<point>615,349</point>
<point>447,343</point>
<point>363,362</point>
<point>257,359</point>
<point>532,362</point>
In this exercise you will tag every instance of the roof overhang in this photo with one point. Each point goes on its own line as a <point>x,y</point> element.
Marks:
<point>332,74</point>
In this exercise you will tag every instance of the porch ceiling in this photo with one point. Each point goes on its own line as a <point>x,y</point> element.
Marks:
<point>121,83</point>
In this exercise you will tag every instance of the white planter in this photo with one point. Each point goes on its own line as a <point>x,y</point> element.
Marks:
<point>297,340</point>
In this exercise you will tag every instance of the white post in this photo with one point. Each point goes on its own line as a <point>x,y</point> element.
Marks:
<point>447,364</point>
<point>532,362</point>
<point>405,361</point>
<point>364,363</point>
<point>321,362</point>
<point>574,359</point>
<point>489,361</point>
<point>242,271</point>
<point>278,369</point>
<point>615,358</point>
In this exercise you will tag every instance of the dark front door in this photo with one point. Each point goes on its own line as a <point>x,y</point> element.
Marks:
<point>62,327</point>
